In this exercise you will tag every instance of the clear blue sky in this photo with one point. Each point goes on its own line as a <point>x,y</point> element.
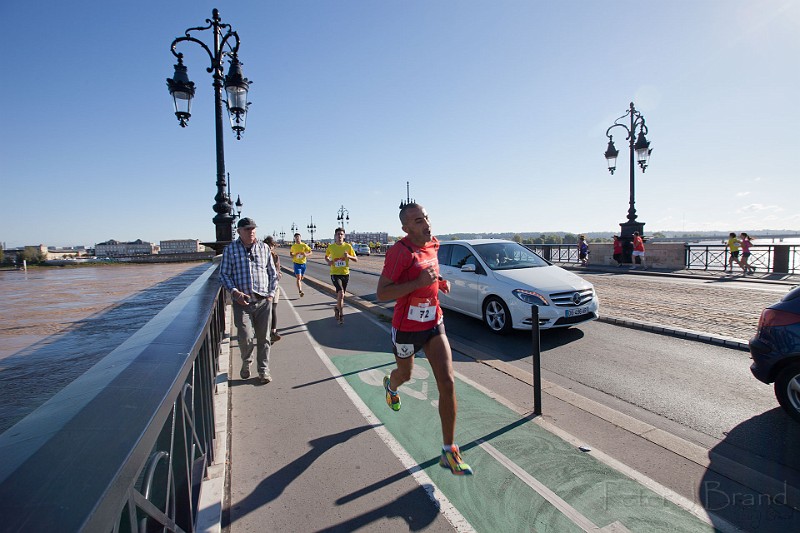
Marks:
<point>494,110</point>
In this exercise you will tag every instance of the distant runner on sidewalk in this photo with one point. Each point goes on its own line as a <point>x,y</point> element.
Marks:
<point>747,242</point>
<point>338,256</point>
<point>411,276</point>
<point>583,250</point>
<point>638,251</point>
<point>733,245</point>
<point>299,252</point>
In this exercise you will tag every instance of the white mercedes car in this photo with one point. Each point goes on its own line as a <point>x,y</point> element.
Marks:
<point>498,281</point>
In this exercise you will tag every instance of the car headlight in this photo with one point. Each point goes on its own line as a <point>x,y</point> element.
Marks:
<point>530,297</point>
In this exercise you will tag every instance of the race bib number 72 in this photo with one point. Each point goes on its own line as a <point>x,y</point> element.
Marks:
<point>421,310</point>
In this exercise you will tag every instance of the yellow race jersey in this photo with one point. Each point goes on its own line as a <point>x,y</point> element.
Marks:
<point>299,251</point>
<point>338,254</point>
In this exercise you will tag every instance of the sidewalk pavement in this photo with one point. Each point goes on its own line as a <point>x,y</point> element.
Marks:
<point>276,485</point>
<point>709,313</point>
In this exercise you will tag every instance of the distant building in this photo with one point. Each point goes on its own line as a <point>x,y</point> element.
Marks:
<point>64,253</point>
<point>181,246</point>
<point>368,237</point>
<point>114,248</point>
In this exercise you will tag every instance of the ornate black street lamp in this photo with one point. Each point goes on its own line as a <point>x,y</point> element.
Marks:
<point>312,228</point>
<point>236,86</point>
<point>409,200</point>
<point>343,215</point>
<point>238,213</point>
<point>238,205</point>
<point>294,229</point>
<point>283,236</point>
<point>639,151</point>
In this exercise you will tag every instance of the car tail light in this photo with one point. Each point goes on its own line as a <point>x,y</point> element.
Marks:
<point>775,317</point>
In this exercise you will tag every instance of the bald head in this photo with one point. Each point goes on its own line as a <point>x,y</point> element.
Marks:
<point>406,209</point>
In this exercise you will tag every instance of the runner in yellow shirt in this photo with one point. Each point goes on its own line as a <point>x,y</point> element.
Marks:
<point>338,256</point>
<point>299,252</point>
<point>733,245</point>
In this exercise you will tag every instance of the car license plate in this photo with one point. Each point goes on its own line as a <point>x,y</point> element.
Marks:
<point>576,312</point>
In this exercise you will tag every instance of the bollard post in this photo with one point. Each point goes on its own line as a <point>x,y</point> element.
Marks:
<point>537,362</point>
<point>780,259</point>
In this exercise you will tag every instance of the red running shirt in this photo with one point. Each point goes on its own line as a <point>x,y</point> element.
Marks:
<point>418,310</point>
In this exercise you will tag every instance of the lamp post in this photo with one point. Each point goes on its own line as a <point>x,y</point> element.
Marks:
<point>312,228</point>
<point>639,151</point>
<point>283,236</point>
<point>238,214</point>
<point>343,215</point>
<point>236,86</point>
<point>408,197</point>
<point>238,205</point>
<point>294,229</point>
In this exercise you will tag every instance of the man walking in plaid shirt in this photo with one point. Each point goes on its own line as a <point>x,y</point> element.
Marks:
<point>248,272</point>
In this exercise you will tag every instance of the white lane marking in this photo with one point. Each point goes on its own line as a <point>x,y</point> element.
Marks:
<point>447,509</point>
<point>555,500</point>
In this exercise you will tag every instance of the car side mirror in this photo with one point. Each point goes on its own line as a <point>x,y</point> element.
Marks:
<point>468,268</point>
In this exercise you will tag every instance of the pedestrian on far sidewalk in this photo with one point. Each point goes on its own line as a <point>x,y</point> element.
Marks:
<point>732,244</point>
<point>638,251</point>
<point>617,251</point>
<point>746,242</point>
<point>247,271</point>
<point>583,250</point>
<point>270,241</point>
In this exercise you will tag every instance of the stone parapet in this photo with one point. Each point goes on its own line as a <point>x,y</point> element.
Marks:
<point>667,255</point>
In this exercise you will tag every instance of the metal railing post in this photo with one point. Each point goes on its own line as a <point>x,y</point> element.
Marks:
<point>537,362</point>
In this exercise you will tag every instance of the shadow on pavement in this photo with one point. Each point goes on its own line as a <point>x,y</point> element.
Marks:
<point>769,508</point>
<point>272,486</point>
<point>352,336</point>
<point>414,507</point>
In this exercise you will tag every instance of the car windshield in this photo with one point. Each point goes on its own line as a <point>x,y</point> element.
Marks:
<point>508,256</point>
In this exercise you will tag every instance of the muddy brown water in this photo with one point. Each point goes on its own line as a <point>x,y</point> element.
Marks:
<point>56,323</point>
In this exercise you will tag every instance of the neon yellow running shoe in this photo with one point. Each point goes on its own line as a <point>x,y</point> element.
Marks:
<point>392,398</point>
<point>452,459</point>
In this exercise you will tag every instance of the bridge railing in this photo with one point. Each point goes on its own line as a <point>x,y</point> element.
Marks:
<point>780,258</point>
<point>126,446</point>
<point>556,253</point>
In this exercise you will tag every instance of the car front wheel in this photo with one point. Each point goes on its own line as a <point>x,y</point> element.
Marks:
<point>787,390</point>
<point>497,316</point>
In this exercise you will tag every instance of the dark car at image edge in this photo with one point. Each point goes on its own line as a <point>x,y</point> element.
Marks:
<point>775,350</point>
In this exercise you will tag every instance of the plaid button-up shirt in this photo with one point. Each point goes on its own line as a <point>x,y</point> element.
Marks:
<point>248,272</point>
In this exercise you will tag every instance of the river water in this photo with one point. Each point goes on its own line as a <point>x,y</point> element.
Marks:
<point>56,323</point>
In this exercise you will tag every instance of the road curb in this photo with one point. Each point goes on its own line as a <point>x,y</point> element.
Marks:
<point>727,342</point>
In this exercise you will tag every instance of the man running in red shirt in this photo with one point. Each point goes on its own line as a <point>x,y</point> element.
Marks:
<point>411,276</point>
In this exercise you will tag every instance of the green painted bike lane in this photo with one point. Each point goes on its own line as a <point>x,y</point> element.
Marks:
<point>510,455</point>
